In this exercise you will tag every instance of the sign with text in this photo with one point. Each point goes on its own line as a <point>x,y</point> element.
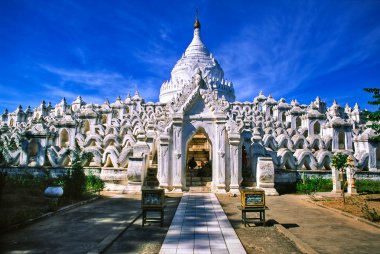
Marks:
<point>252,198</point>
<point>152,198</point>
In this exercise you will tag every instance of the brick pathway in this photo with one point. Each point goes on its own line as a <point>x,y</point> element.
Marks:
<point>201,226</point>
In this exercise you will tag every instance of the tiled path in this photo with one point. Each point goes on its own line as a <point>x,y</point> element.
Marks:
<point>201,226</point>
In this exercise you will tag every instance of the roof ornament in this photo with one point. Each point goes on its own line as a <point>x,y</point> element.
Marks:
<point>197,24</point>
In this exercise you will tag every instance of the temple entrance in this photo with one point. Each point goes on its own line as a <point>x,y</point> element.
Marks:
<point>199,160</point>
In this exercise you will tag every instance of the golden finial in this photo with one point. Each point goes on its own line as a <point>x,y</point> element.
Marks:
<point>197,24</point>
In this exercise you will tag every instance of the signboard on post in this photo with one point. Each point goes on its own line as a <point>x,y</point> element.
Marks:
<point>152,198</point>
<point>252,198</point>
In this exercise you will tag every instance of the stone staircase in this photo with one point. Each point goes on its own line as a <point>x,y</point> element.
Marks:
<point>198,184</point>
<point>151,176</point>
<point>200,189</point>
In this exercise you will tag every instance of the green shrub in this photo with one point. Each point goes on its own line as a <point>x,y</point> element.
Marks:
<point>75,180</point>
<point>94,183</point>
<point>74,185</point>
<point>314,184</point>
<point>367,186</point>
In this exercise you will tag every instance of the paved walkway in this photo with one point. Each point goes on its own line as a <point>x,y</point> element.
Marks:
<point>324,230</point>
<point>201,226</point>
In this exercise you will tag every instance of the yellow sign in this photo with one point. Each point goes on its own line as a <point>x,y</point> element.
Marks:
<point>252,198</point>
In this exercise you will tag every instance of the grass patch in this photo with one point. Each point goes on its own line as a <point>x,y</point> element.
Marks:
<point>367,186</point>
<point>23,197</point>
<point>313,184</point>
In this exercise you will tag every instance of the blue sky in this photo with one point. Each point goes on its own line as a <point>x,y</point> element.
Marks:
<point>102,49</point>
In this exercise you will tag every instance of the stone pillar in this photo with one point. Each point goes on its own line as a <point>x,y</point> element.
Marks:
<point>163,161</point>
<point>372,160</point>
<point>351,188</point>
<point>24,158</point>
<point>138,164</point>
<point>177,168</point>
<point>265,175</point>
<point>235,166</point>
<point>71,132</point>
<point>41,155</point>
<point>336,182</point>
<point>220,164</point>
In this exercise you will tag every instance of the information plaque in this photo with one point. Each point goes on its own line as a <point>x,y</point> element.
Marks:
<point>152,198</point>
<point>252,198</point>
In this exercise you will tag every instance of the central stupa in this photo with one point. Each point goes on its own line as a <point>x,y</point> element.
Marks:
<point>196,56</point>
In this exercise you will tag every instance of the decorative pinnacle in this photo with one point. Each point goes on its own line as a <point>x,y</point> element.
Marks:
<point>197,24</point>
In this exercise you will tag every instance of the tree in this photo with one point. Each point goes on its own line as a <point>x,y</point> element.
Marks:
<point>75,180</point>
<point>6,147</point>
<point>374,117</point>
<point>339,161</point>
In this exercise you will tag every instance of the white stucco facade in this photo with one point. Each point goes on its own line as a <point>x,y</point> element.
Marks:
<point>250,141</point>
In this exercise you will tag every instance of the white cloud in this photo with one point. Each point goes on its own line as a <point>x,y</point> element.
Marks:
<point>286,52</point>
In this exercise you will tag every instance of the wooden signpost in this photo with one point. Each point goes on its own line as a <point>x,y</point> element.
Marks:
<point>153,200</point>
<point>252,200</point>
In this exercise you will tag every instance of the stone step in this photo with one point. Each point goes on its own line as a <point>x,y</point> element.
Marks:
<point>248,184</point>
<point>198,179</point>
<point>199,189</point>
<point>197,183</point>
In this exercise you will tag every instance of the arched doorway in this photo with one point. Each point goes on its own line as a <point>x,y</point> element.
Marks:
<point>317,128</point>
<point>341,142</point>
<point>32,153</point>
<point>298,122</point>
<point>64,138</point>
<point>199,160</point>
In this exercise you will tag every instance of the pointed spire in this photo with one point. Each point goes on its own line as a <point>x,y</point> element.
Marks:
<point>197,24</point>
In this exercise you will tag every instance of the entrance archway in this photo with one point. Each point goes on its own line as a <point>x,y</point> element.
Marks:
<point>199,160</point>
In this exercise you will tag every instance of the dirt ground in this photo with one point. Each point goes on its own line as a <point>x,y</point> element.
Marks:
<point>22,203</point>
<point>354,204</point>
<point>255,239</point>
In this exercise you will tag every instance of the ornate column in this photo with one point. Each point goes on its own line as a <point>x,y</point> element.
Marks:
<point>163,161</point>
<point>351,188</point>
<point>220,165</point>
<point>235,165</point>
<point>177,167</point>
<point>265,176</point>
<point>41,154</point>
<point>336,182</point>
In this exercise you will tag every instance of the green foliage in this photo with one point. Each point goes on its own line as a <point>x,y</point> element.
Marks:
<point>94,183</point>
<point>339,161</point>
<point>367,186</point>
<point>75,180</point>
<point>369,214</point>
<point>31,181</point>
<point>374,117</point>
<point>314,184</point>
<point>5,147</point>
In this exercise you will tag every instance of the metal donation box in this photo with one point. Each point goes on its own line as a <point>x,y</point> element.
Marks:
<point>252,198</point>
